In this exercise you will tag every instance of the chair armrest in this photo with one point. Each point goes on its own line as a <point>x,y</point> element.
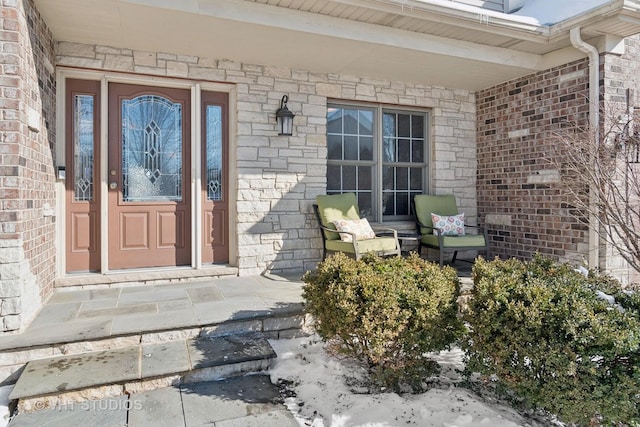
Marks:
<point>384,230</point>
<point>481,230</point>
<point>437,231</point>
<point>333,230</point>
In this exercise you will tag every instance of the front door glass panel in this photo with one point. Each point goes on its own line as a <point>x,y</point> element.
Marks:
<point>83,131</point>
<point>214,152</point>
<point>151,149</point>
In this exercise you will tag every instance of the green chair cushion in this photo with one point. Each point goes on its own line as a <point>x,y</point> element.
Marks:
<point>466,241</point>
<point>337,206</point>
<point>379,244</point>
<point>426,204</point>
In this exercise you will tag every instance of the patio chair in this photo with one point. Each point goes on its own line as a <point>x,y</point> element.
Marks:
<point>449,234</point>
<point>344,231</point>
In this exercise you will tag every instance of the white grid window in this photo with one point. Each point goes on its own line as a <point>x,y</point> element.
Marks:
<point>380,154</point>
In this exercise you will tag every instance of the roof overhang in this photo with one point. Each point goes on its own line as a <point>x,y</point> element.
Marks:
<point>422,41</point>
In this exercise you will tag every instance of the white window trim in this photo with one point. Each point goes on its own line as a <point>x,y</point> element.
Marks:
<point>379,109</point>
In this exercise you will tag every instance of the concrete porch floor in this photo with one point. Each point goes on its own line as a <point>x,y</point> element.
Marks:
<point>74,314</point>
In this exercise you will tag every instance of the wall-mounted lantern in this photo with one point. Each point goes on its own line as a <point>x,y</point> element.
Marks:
<point>284,117</point>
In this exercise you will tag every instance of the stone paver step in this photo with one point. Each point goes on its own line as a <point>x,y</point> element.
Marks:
<point>50,382</point>
<point>242,401</point>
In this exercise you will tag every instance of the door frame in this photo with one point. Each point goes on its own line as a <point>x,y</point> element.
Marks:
<point>196,88</point>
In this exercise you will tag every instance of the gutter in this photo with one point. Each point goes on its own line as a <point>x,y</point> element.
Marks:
<point>594,122</point>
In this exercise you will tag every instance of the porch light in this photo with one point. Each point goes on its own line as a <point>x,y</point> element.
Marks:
<point>284,117</point>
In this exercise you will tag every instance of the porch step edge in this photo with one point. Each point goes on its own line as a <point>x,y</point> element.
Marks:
<point>279,326</point>
<point>54,381</point>
<point>143,277</point>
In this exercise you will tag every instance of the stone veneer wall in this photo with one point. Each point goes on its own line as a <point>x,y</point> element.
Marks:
<point>619,73</point>
<point>27,134</point>
<point>278,178</point>
<point>518,197</point>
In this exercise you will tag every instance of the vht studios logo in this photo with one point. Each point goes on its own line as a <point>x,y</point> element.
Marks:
<point>104,405</point>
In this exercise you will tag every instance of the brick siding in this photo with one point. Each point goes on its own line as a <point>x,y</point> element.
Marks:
<point>619,73</point>
<point>518,196</point>
<point>27,228</point>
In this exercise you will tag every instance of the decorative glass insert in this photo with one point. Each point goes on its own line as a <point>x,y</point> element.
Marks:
<point>213,129</point>
<point>151,152</point>
<point>151,149</point>
<point>83,147</point>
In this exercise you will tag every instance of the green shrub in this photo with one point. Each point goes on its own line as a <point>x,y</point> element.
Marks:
<point>386,312</point>
<point>543,331</point>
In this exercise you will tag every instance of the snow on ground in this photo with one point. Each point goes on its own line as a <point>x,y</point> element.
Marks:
<point>4,404</point>
<point>323,398</point>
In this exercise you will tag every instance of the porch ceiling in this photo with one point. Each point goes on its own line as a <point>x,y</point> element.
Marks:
<point>402,40</point>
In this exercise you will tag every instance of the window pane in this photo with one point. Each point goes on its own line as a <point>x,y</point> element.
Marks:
<point>351,122</point>
<point>417,151</point>
<point>388,125</point>
<point>366,122</point>
<point>351,148</point>
<point>402,204</point>
<point>417,126</point>
<point>366,148</point>
<point>388,204</point>
<point>404,150</point>
<point>365,181</point>
<point>334,178</point>
<point>416,178</point>
<point>334,120</point>
<point>389,150</point>
<point>365,204</point>
<point>334,147</point>
<point>83,147</point>
<point>402,178</point>
<point>349,178</point>
<point>404,125</point>
<point>388,178</point>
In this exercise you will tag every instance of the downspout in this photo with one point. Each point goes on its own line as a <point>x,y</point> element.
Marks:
<point>594,122</point>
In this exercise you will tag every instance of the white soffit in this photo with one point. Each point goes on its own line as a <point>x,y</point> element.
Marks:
<point>256,33</point>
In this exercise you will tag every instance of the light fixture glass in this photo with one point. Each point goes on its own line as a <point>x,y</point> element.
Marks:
<point>284,117</point>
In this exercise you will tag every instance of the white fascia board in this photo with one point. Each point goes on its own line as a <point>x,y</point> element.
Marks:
<point>279,17</point>
<point>461,15</point>
<point>624,10</point>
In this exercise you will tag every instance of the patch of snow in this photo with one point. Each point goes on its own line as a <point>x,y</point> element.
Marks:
<point>4,404</point>
<point>582,271</point>
<point>611,300</point>
<point>324,399</point>
<point>608,298</point>
<point>549,12</point>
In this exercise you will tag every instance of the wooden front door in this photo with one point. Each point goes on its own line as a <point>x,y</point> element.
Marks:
<point>149,177</point>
